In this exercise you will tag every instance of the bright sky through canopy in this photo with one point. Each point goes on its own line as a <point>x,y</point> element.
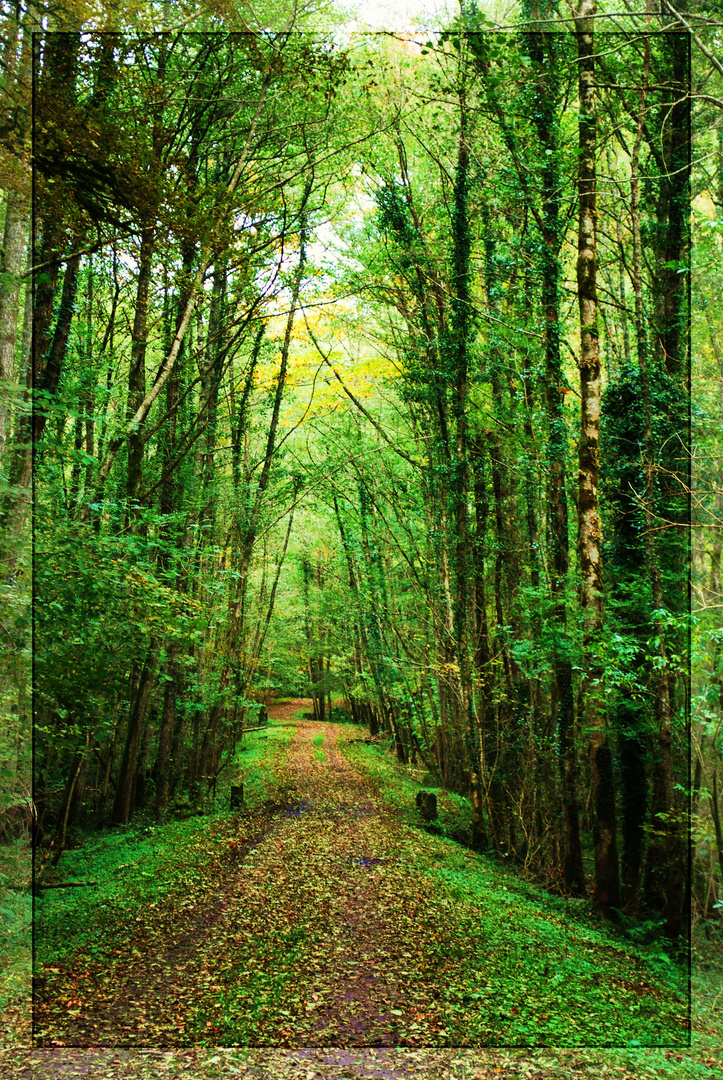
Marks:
<point>402,14</point>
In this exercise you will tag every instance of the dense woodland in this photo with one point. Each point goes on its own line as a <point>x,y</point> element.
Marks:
<point>372,369</point>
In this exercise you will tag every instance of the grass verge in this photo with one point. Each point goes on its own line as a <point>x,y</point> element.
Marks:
<point>533,969</point>
<point>138,866</point>
<point>318,741</point>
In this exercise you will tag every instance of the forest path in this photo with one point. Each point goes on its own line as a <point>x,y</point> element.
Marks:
<point>317,934</point>
<point>323,919</point>
<point>340,876</point>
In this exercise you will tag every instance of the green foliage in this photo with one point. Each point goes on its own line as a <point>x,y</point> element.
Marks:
<point>371,500</point>
<point>497,981</point>
<point>15,948</point>
<point>424,437</point>
<point>138,866</point>
<point>16,915</point>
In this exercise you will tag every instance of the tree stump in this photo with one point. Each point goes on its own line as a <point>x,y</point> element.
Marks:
<point>237,796</point>
<point>427,804</point>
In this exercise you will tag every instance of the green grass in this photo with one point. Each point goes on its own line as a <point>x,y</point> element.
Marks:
<point>15,956</point>
<point>133,867</point>
<point>15,921</point>
<point>137,866</point>
<point>533,957</point>
<point>263,751</point>
<point>528,967</point>
<point>318,742</point>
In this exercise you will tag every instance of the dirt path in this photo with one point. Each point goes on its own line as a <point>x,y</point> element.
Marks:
<point>338,924</point>
<point>318,935</point>
<point>366,985</point>
<point>321,934</point>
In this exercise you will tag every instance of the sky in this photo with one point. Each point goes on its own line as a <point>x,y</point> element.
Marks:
<point>401,14</point>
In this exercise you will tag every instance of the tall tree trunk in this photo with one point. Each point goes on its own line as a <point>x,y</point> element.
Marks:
<point>630,718</point>
<point>137,369</point>
<point>13,258</point>
<point>542,49</point>
<point>715,812</point>
<point>264,623</point>
<point>165,733</point>
<point>53,361</point>
<point>122,804</point>
<point>75,769</point>
<point>43,374</point>
<point>607,874</point>
<point>214,358</point>
<point>482,658</point>
<point>461,326</point>
<point>665,863</point>
<point>56,85</point>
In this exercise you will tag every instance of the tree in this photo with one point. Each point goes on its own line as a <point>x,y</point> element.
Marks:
<point>358,475</point>
<point>607,883</point>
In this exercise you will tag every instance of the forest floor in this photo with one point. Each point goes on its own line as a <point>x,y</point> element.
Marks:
<point>338,922</point>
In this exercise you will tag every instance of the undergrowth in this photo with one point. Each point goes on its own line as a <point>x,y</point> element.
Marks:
<point>15,920</point>
<point>525,952</point>
<point>139,865</point>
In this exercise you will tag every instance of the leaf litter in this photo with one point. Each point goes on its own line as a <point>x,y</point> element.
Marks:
<point>319,932</point>
<point>312,935</point>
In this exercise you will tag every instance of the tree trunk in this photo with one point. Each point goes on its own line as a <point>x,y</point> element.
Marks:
<point>665,874</point>
<point>607,875</point>
<point>75,769</point>
<point>137,369</point>
<point>715,812</point>
<point>165,733</point>
<point>56,84</point>
<point>53,363</point>
<point>122,804</point>
<point>542,51</point>
<point>214,358</point>
<point>13,253</point>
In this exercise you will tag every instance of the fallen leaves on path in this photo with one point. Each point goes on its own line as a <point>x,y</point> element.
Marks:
<point>314,921</point>
<point>314,933</point>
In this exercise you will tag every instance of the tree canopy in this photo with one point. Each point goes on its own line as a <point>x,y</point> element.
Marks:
<point>361,369</point>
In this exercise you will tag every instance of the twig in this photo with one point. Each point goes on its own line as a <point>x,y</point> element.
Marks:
<point>64,884</point>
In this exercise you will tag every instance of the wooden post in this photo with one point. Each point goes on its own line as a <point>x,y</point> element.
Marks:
<point>427,803</point>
